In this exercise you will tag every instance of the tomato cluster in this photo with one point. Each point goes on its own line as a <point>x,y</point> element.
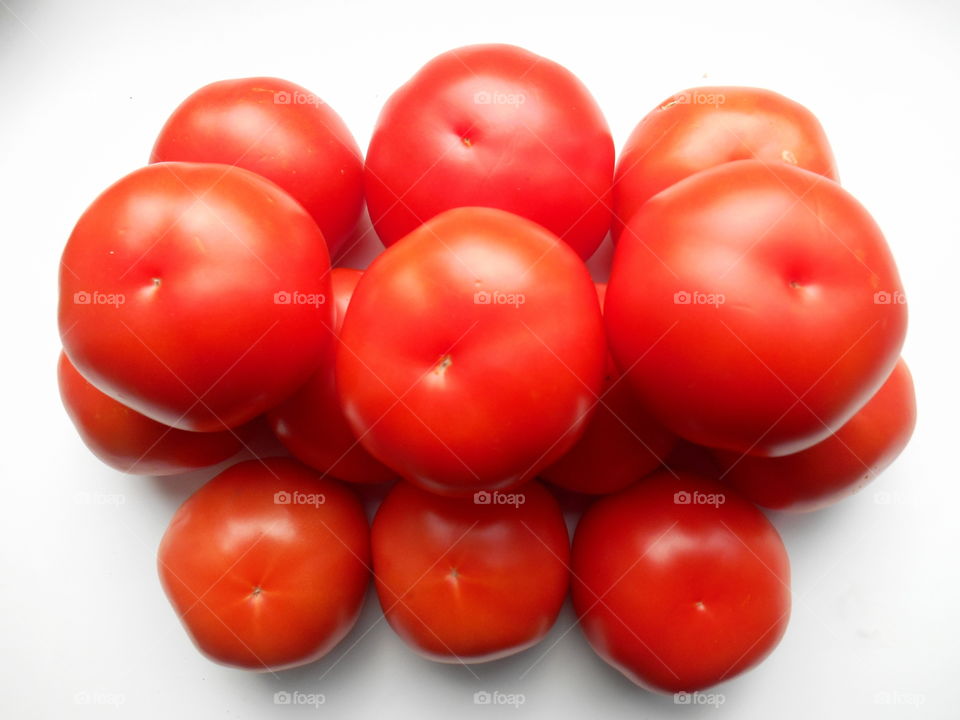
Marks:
<point>745,351</point>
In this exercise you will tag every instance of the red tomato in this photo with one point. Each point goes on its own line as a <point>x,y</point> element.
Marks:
<point>756,308</point>
<point>703,127</point>
<point>195,294</point>
<point>620,445</point>
<point>267,565</point>
<point>470,581</point>
<point>311,424</point>
<point>679,583</point>
<point>130,442</point>
<point>280,131</point>
<point>838,466</point>
<point>496,126</point>
<point>472,352</point>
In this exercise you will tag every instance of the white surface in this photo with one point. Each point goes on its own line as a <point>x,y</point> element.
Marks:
<point>84,626</point>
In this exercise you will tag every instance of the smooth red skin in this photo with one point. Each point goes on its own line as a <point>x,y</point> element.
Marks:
<point>304,148</point>
<point>679,138</point>
<point>510,566</point>
<point>211,329</point>
<point>549,159</point>
<point>728,376</point>
<point>641,563</point>
<point>133,443</point>
<point>620,444</point>
<point>521,380</point>
<point>310,563</point>
<point>311,424</point>
<point>838,466</point>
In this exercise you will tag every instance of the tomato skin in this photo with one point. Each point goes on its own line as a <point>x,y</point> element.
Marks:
<point>130,442</point>
<point>310,423</point>
<point>620,444</point>
<point>838,466</point>
<point>465,582</point>
<point>703,127</point>
<point>266,585</point>
<point>460,321</point>
<point>731,299</point>
<point>197,336</point>
<point>494,126</point>
<point>301,145</point>
<point>679,597</point>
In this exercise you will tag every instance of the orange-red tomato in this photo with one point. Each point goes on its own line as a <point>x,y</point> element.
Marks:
<point>470,580</point>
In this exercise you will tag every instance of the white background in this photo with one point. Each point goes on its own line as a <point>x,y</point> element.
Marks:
<point>84,88</point>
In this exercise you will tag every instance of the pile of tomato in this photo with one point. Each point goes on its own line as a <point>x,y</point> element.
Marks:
<point>745,352</point>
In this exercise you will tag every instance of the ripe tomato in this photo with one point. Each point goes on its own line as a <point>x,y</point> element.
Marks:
<point>679,583</point>
<point>470,581</point>
<point>267,564</point>
<point>838,466</point>
<point>620,444</point>
<point>130,442</point>
<point>756,308</point>
<point>703,127</point>
<point>472,352</point>
<point>497,126</point>
<point>311,424</point>
<point>280,131</point>
<point>195,294</point>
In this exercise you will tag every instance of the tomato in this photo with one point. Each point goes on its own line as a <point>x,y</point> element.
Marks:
<point>267,564</point>
<point>495,126</point>
<point>756,308</point>
<point>280,131</point>
<point>195,294</point>
<point>620,445</point>
<point>130,442</point>
<point>472,352</point>
<point>838,466</point>
<point>703,127</point>
<point>311,424</point>
<point>679,583</point>
<point>470,580</point>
